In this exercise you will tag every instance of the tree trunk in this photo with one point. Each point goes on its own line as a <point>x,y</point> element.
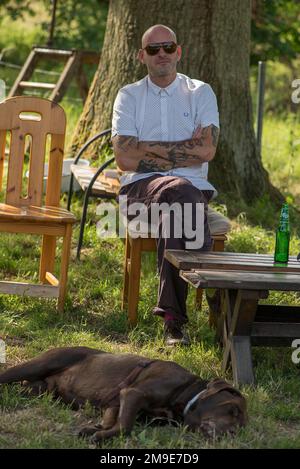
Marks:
<point>215,37</point>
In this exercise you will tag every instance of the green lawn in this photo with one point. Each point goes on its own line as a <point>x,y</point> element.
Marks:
<point>94,318</point>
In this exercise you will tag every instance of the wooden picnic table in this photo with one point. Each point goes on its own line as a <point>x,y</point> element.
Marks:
<point>244,279</point>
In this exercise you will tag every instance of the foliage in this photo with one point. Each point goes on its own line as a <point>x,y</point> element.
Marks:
<point>79,23</point>
<point>281,155</point>
<point>275,30</point>
<point>278,87</point>
<point>16,41</point>
<point>16,9</point>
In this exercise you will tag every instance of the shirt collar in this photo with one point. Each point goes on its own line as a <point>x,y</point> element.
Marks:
<point>169,89</point>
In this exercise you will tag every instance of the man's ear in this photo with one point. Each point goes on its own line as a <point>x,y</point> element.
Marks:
<point>140,56</point>
<point>179,53</point>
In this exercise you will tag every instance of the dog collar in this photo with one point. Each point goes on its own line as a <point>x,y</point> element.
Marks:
<point>191,402</point>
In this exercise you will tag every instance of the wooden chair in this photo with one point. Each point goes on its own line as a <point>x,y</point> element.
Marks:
<point>219,226</point>
<point>23,211</point>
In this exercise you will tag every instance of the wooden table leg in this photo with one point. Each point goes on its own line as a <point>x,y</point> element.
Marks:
<point>240,310</point>
<point>241,360</point>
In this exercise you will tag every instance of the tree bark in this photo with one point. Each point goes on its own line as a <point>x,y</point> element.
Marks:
<point>215,37</point>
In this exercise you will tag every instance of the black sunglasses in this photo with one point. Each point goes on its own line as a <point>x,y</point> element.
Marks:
<point>168,47</point>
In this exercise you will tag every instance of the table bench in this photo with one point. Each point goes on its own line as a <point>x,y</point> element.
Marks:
<point>244,279</point>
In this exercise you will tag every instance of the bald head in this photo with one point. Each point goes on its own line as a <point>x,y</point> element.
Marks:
<point>155,31</point>
<point>161,62</point>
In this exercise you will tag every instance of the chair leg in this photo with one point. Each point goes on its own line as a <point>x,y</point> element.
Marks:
<point>82,225</point>
<point>64,267</point>
<point>126,273</point>
<point>2,155</point>
<point>134,279</point>
<point>47,261</point>
<point>218,245</point>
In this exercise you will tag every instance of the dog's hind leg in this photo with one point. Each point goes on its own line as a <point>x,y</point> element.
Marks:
<point>46,364</point>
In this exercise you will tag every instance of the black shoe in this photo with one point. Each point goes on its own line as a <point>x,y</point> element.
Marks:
<point>213,298</point>
<point>175,334</point>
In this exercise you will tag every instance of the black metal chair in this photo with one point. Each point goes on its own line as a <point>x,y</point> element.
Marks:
<point>88,188</point>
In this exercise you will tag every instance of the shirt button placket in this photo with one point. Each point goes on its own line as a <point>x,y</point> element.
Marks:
<point>164,115</point>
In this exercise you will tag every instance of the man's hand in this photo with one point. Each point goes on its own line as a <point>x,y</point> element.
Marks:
<point>132,155</point>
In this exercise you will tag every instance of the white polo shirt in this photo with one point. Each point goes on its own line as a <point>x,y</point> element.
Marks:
<point>150,113</point>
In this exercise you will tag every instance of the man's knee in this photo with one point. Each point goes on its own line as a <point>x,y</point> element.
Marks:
<point>178,189</point>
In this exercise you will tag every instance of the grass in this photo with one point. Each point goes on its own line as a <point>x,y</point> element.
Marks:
<point>94,318</point>
<point>281,153</point>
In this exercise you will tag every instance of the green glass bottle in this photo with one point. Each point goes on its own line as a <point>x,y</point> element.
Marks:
<point>283,237</point>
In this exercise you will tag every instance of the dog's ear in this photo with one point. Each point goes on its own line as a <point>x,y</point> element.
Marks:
<point>237,402</point>
<point>218,385</point>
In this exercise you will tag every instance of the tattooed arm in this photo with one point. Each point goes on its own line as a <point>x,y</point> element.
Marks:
<point>143,157</point>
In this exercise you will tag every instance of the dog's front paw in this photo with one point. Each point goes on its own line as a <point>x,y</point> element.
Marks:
<point>95,439</point>
<point>87,431</point>
<point>103,434</point>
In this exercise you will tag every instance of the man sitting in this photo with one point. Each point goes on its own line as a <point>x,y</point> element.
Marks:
<point>165,130</point>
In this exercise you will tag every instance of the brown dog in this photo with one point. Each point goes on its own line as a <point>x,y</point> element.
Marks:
<point>123,385</point>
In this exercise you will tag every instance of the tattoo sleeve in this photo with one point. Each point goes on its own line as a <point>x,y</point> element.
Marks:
<point>125,143</point>
<point>151,156</point>
<point>215,135</point>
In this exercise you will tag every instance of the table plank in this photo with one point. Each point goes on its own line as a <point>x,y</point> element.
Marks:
<point>229,261</point>
<point>242,280</point>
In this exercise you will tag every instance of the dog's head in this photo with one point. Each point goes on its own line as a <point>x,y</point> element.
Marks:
<point>219,409</point>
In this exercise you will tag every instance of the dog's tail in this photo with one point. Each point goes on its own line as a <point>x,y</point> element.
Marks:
<point>47,364</point>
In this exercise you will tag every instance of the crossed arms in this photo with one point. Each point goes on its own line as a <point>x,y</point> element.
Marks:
<point>143,157</point>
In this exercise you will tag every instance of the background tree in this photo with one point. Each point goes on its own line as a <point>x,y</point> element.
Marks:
<point>215,37</point>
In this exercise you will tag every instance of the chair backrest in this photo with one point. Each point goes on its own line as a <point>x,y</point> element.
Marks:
<point>24,116</point>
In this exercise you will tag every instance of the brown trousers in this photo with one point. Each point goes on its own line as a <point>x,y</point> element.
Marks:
<point>173,290</point>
